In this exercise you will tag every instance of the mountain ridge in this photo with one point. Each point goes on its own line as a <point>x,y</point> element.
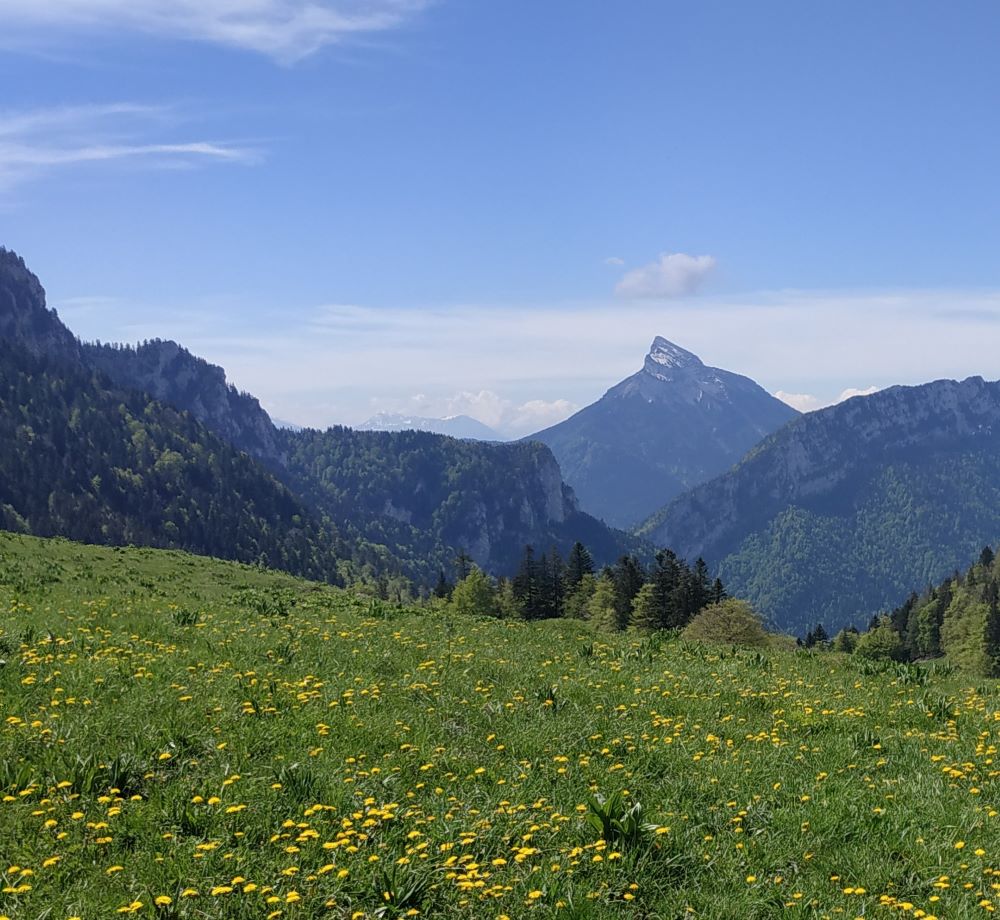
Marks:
<point>846,509</point>
<point>385,473</point>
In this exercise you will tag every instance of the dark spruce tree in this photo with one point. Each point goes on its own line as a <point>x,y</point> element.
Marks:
<point>579,564</point>
<point>628,577</point>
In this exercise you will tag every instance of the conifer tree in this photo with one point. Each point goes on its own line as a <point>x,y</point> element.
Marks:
<point>526,585</point>
<point>666,579</point>
<point>555,584</point>
<point>442,589</point>
<point>579,564</point>
<point>601,606</point>
<point>645,616</point>
<point>700,585</point>
<point>463,565</point>
<point>628,581</point>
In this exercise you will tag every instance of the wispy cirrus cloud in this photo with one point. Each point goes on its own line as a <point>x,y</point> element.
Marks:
<point>286,30</point>
<point>38,141</point>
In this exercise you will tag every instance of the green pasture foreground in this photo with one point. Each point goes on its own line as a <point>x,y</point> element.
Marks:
<point>181,737</point>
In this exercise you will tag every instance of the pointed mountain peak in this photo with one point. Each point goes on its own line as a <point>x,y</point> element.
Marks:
<point>664,355</point>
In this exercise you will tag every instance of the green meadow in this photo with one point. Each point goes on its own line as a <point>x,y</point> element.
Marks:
<point>187,738</point>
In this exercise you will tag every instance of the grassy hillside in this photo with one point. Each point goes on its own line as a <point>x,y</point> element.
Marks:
<point>189,738</point>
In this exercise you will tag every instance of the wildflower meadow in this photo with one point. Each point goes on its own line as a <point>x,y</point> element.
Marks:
<point>185,738</point>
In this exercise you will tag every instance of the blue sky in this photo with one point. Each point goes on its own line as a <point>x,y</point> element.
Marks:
<point>492,207</point>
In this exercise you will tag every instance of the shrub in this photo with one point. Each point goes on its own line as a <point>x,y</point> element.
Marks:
<point>731,621</point>
<point>881,643</point>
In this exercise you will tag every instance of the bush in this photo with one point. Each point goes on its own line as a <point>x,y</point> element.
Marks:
<point>881,643</point>
<point>475,595</point>
<point>731,621</point>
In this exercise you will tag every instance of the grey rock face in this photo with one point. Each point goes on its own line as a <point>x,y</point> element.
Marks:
<point>25,318</point>
<point>173,375</point>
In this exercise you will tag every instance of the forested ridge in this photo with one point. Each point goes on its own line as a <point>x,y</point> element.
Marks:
<point>844,510</point>
<point>385,508</point>
<point>83,460</point>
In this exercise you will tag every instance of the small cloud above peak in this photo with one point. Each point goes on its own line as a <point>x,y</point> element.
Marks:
<point>616,261</point>
<point>673,274</point>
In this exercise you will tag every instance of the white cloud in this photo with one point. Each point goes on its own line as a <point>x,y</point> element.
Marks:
<point>614,260</point>
<point>38,141</point>
<point>806,402</point>
<point>286,30</point>
<point>851,392</point>
<point>509,417</point>
<point>322,366</point>
<point>536,414</point>
<point>673,274</point>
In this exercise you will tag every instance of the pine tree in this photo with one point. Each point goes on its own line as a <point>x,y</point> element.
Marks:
<point>579,564</point>
<point>628,581</point>
<point>645,617</point>
<point>526,586</point>
<point>442,589</point>
<point>601,606</point>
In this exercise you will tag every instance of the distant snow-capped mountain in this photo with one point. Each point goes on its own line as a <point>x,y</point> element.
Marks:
<point>456,426</point>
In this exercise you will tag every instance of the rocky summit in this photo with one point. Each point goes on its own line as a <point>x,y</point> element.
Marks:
<point>672,425</point>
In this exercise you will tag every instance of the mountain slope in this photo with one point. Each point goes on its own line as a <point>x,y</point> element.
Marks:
<point>83,460</point>
<point>454,494</point>
<point>842,512</point>
<point>672,425</point>
<point>173,375</point>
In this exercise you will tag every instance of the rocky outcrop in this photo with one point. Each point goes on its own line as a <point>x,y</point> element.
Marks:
<point>24,317</point>
<point>173,375</point>
<point>414,489</point>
